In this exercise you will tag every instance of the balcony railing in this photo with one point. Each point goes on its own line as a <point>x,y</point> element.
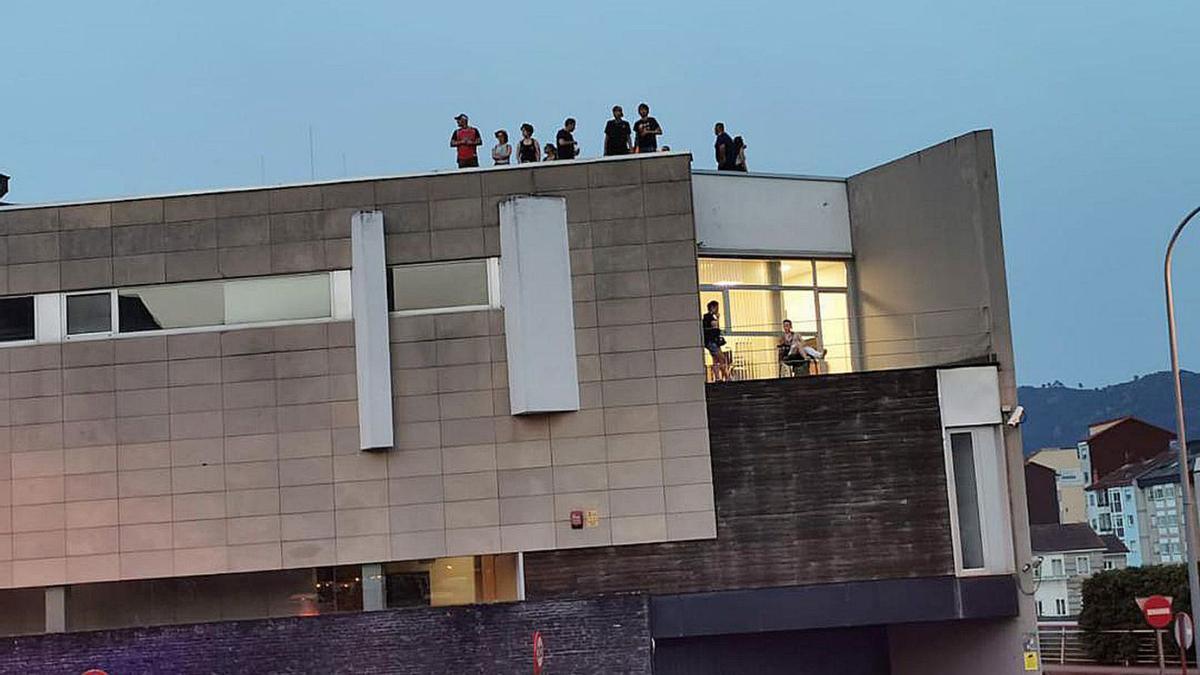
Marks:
<point>871,342</point>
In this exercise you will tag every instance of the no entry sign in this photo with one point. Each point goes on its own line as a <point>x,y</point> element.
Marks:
<point>1157,610</point>
<point>539,653</point>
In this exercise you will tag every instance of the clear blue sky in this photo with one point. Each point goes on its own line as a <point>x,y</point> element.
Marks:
<point>1094,103</point>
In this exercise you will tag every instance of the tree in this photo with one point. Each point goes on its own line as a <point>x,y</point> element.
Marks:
<point>1109,603</point>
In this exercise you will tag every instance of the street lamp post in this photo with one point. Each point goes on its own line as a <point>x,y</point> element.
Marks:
<point>1180,427</point>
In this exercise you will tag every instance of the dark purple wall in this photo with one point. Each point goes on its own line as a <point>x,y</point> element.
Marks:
<point>599,635</point>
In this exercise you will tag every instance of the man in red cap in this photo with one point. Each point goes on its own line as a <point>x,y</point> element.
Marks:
<point>466,139</point>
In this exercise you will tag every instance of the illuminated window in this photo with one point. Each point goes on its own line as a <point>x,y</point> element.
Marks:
<point>756,296</point>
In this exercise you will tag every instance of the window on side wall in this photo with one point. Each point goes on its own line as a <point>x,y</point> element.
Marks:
<point>979,500</point>
<point>457,286</point>
<point>16,319</point>
<point>1060,606</point>
<point>757,295</point>
<point>1083,565</point>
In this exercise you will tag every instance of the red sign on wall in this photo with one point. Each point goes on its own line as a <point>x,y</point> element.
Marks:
<point>539,652</point>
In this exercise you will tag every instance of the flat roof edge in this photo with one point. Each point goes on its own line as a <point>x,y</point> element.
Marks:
<point>753,174</point>
<point>339,181</point>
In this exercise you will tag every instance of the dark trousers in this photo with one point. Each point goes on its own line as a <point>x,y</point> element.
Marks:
<point>467,162</point>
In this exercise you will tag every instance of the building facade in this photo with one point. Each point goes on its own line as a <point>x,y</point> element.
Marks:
<point>1068,554</point>
<point>1070,481</point>
<point>488,386</point>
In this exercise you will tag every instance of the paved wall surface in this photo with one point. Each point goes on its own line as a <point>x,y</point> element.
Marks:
<point>818,480</point>
<point>608,635</point>
<point>237,450</point>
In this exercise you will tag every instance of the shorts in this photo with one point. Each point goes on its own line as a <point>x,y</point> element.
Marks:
<point>467,162</point>
<point>714,349</point>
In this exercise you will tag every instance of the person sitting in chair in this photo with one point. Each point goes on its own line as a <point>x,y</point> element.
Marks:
<point>795,353</point>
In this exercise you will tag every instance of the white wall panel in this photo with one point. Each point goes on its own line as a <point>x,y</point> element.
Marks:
<point>539,321</point>
<point>765,214</point>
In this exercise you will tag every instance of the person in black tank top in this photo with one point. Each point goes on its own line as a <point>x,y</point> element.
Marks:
<point>527,148</point>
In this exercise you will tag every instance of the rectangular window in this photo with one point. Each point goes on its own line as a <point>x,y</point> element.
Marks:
<point>1108,565</point>
<point>1105,523</point>
<point>1119,530</point>
<point>967,498</point>
<point>1116,501</point>
<point>1169,491</point>
<point>446,286</point>
<point>1083,565</point>
<point>224,303</point>
<point>1060,606</point>
<point>89,313</point>
<point>1129,520</point>
<point>16,319</point>
<point>1102,498</point>
<point>1056,567</point>
<point>756,296</point>
<point>1091,499</point>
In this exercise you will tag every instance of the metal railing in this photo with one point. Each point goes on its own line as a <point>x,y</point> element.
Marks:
<point>1061,643</point>
<point>869,342</point>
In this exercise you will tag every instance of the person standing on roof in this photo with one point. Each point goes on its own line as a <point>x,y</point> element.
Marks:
<point>565,140</point>
<point>647,130</point>
<point>726,153</point>
<point>466,140</point>
<point>616,134</point>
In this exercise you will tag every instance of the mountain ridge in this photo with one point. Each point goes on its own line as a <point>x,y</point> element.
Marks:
<point>1058,416</point>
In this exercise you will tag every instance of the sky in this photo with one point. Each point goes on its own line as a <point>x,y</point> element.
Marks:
<point>1094,106</point>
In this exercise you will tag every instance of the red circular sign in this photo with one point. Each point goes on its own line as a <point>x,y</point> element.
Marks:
<point>1157,611</point>
<point>539,652</point>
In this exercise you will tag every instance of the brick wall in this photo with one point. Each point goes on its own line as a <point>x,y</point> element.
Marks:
<point>606,635</point>
<point>817,480</point>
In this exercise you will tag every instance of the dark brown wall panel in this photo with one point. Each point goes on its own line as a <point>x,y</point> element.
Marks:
<point>817,480</point>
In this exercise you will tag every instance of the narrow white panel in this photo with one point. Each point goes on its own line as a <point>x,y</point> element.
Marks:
<point>969,396</point>
<point>539,318</point>
<point>48,322</point>
<point>372,353</point>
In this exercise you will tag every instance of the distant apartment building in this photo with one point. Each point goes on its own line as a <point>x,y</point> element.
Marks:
<point>1041,494</point>
<point>1119,503</point>
<point>1070,480</point>
<point>480,396</point>
<point>1069,554</point>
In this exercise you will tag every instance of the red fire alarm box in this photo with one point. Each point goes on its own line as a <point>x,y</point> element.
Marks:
<point>577,520</point>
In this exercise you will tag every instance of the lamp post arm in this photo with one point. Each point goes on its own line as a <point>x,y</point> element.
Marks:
<point>1189,500</point>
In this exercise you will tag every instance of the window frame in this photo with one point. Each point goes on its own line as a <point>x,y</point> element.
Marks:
<point>37,328</point>
<point>50,312</point>
<point>992,500</point>
<point>493,289</point>
<point>1086,562</point>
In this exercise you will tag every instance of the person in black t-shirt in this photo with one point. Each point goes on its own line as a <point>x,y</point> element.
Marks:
<point>711,331</point>
<point>616,134</point>
<point>726,153</point>
<point>565,140</point>
<point>647,130</point>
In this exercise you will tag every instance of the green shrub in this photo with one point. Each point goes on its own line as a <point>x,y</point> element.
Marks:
<point>1109,604</point>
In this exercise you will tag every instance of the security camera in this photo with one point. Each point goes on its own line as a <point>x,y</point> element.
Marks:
<point>1016,416</point>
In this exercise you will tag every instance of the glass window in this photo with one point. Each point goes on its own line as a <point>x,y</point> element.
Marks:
<point>756,296</point>
<point>443,582</point>
<point>277,299</point>
<point>1056,567</point>
<point>734,272</point>
<point>221,303</point>
<point>89,313</point>
<point>967,500</point>
<point>171,306</point>
<point>1105,523</point>
<point>16,319</point>
<point>438,285</point>
<point>831,273</point>
<point>24,610</point>
<point>1060,606</point>
<point>1116,501</point>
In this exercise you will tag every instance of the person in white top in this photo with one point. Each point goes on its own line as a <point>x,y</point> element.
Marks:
<point>503,151</point>
<point>798,354</point>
